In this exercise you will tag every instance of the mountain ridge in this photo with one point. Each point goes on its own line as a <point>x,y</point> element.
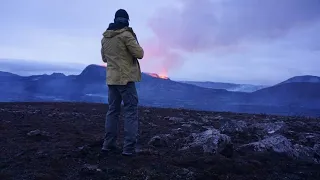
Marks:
<point>90,86</point>
<point>303,78</point>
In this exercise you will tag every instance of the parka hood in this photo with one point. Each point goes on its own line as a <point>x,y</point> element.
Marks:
<point>112,33</point>
<point>115,29</point>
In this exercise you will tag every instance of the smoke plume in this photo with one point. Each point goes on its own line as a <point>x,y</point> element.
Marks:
<point>223,25</point>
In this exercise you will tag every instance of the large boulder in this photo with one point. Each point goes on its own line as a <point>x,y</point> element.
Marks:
<point>275,143</point>
<point>269,128</point>
<point>305,153</point>
<point>280,144</point>
<point>234,126</point>
<point>210,141</point>
<point>298,124</point>
<point>309,138</point>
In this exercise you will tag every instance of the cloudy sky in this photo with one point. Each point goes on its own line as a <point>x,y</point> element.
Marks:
<point>244,41</point>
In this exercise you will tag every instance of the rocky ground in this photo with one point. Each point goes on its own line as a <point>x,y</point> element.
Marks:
<point>63,140</point>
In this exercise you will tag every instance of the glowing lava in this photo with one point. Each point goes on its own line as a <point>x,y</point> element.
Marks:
<point>104,65</point>
<point>155,75</point>
<point>161,76</point>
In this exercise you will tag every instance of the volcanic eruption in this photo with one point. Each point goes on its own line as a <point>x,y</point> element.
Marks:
<point>161,76</point>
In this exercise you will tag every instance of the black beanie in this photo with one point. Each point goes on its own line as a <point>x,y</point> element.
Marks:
<point>122,13</point>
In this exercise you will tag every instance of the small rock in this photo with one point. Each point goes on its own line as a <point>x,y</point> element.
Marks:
<point>83,149</point>
<point>185,174</point>
<point>184,171</point>
<point>197,123</point>
<point>177,131</point>
<point>159,141</point>
<point>316,149</point>
<point>234,126</point>
<point>38,133</point>
<point>147,111</point>
<point>41,153</point>
<point>218,118</point>
<point>34,133</point>
<point>208,127</point>
<point>152,124</point>
<point>186,125</point>
<point>89,169</point>
<point>176,119</point>
<point>206,119</point>
<point>147,152</point>
<point>297,124</point>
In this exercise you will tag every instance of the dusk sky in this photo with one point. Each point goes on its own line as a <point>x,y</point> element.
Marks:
<point>243,41</point>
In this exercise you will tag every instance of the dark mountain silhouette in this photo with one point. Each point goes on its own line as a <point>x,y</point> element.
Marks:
<point>7,75</point>
<point>298,91</point>
<point>157,91</point>
<point>303,94</point>
<point>93,74</point>
<point>90,86</point>
<point>303,79</point>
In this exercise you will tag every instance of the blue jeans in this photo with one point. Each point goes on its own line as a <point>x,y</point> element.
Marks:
<point>117,94</point>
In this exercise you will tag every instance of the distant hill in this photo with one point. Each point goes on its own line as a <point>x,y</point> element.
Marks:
<point>303,79</point>
<point>298,91</point>
<point>7,75</point>
<point>302,94</point>
<point>90,86</point>
<point>163,92</point>
<point>226,86</point>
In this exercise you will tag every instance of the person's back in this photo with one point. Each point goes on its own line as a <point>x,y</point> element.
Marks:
<point>121,51</point>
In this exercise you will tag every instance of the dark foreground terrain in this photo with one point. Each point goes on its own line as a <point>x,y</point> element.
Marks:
<point>52,141</point>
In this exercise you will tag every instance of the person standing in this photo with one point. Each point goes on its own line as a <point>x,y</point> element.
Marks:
<point>121,51</point>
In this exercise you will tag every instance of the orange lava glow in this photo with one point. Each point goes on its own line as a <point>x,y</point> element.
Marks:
<point>161,76</point>
<point>103,64</point>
